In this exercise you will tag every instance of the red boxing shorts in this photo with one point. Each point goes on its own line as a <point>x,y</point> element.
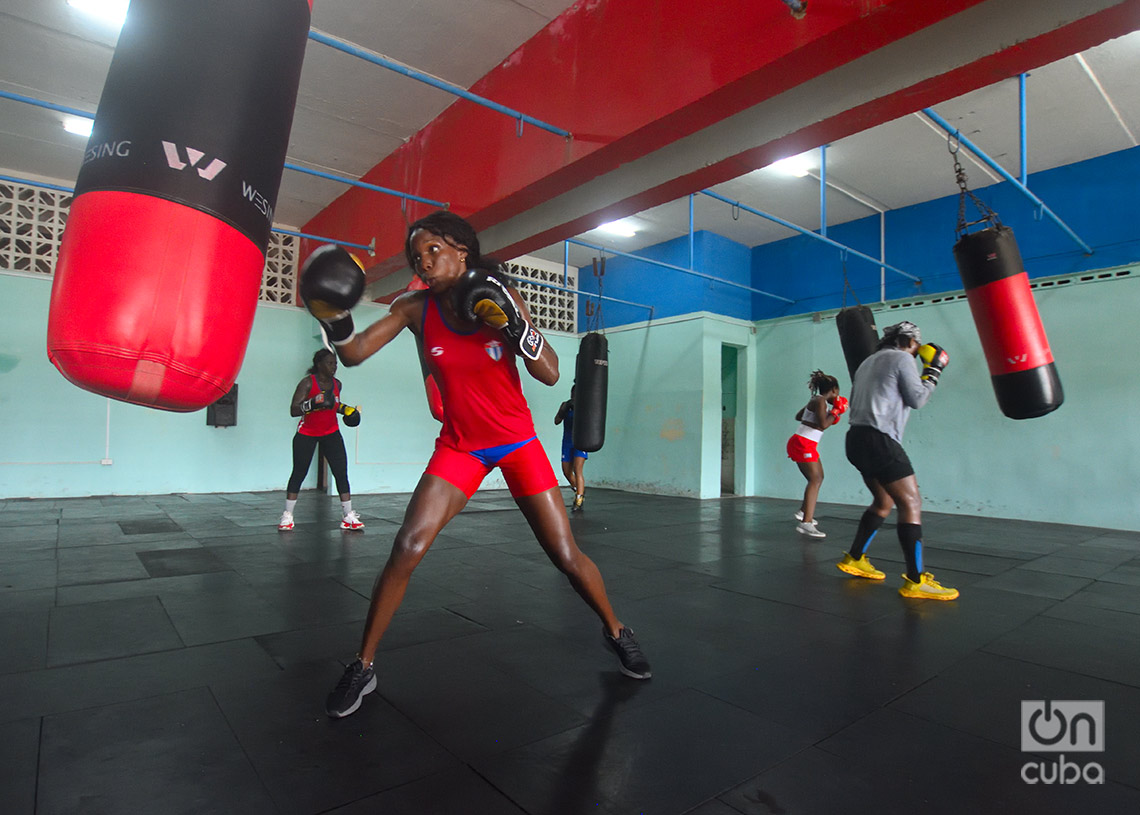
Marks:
<point>801,449</point>
<point>525,468</point>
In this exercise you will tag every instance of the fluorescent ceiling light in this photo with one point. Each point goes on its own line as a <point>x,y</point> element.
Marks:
<point>113,12</point>
<point>622,228</point>
<point>78,125</point>
<point>797,166</point>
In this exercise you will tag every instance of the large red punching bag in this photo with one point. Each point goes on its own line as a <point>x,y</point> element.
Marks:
<point>1017,352</point>
<point>161,259</point>
<point>591,392</point>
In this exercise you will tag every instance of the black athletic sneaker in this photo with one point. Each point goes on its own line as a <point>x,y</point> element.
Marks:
<point>633,662</point>
<point>349,691</point>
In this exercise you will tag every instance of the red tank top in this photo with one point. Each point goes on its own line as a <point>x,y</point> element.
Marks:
<point>483,402</point>
<point>319,422</point>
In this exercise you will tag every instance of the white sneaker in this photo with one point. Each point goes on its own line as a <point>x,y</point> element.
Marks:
<point>810,529</point>
<point>352,521</point>
<point>286,521</point>
<point>799,515</point>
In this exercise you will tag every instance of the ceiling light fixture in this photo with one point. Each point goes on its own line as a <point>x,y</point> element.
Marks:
<point>78,125</point>
<point>112,12</point>
<point>622,228</point>
<point>797,166</point>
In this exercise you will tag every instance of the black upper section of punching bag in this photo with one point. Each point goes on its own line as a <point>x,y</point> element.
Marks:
<point>857,335</point>
<point>591,390</point>
<point>192,86</point>
<point>987,255</point>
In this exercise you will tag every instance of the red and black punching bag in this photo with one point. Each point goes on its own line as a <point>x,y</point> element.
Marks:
<point>1017,351</point>
<point>591,388</point>
<point>161,260</point>
<point>857,335</point>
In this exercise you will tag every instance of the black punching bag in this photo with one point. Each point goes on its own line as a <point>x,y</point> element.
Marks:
<point>857,335</point>
<point>591,386</point>
<point>156,284</point>
<point>1017,351</point>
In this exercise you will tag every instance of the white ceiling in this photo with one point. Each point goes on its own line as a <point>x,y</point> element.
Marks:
<point>351,114</point>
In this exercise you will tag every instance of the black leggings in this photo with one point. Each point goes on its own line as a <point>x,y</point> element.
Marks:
<point>332,448</point>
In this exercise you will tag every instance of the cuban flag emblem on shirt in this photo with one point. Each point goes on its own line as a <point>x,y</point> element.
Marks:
<point>494,350</point>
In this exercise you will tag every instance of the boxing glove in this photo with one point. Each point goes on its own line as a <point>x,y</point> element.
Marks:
<point>840,404</point>
<point>332,282</point>
<point>321,401</point>
<point>480,297</point>
<point>934,359</point>
<point>351,414</point>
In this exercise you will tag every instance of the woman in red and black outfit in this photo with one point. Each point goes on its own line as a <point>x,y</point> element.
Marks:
<point>473,329</point>
<point>317,401</point>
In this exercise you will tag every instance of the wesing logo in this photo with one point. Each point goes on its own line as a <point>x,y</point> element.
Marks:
<point>175,162</point>
<point>1058,727</point>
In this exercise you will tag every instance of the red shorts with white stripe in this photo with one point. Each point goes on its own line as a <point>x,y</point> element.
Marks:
<point>801,449</point>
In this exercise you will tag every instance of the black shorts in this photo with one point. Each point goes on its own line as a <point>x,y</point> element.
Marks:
<point>876,455</point>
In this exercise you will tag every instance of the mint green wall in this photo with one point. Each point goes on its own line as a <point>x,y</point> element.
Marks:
<point>57,434</point>
<point>654,419</point>
<point>1077,465</point>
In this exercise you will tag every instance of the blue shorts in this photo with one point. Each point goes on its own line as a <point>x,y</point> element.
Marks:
<point>569,452</point>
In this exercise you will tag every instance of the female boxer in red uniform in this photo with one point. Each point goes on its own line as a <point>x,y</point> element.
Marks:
<point>821,412</point>
<point>317,401</point>
<point>486,420</point>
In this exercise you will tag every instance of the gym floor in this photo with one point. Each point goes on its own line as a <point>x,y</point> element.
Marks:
<point>171,654</point>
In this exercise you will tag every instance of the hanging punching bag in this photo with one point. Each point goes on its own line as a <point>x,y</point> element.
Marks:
<point>857,335</point>
<point>161,259</point>
<point>591,387</point>
<point>1017,351</point>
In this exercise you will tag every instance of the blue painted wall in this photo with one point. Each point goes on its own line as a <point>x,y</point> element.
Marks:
<point>1097,198</point>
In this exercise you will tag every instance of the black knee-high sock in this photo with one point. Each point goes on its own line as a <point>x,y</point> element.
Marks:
<point>910,538</point>
<point>868,525</point>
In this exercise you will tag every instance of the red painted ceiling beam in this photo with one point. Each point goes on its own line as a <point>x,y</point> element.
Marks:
<point>630,78</point>
<point>1021,58</point>
<point>626,79</point>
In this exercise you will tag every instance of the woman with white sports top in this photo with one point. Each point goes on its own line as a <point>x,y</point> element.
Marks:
<point>821,412</point>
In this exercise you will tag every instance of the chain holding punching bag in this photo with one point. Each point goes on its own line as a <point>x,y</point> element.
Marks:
<point>857,335</point>
<point>591,390</point>
<point>997,287</point>
<point>161,259</point>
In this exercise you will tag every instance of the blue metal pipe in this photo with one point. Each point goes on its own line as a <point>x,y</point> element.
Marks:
<point>528,281</point>
<point>363,184</point>
<point>288,165</point>
<point>49,105</point>
<point>676,268</point>
<point>566,264</point>
<point>43,184</point>
<point>428,79</point>
<point>823,190</point>
<point>1022,130</point>
<point>810,234</point>
<point>59,188</point>
<point>945,125</point>
<point>692,241</point>
<point>370,249</point>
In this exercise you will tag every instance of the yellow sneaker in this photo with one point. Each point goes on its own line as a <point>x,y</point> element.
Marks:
<point>859,568</point>
<point>927,588</point>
